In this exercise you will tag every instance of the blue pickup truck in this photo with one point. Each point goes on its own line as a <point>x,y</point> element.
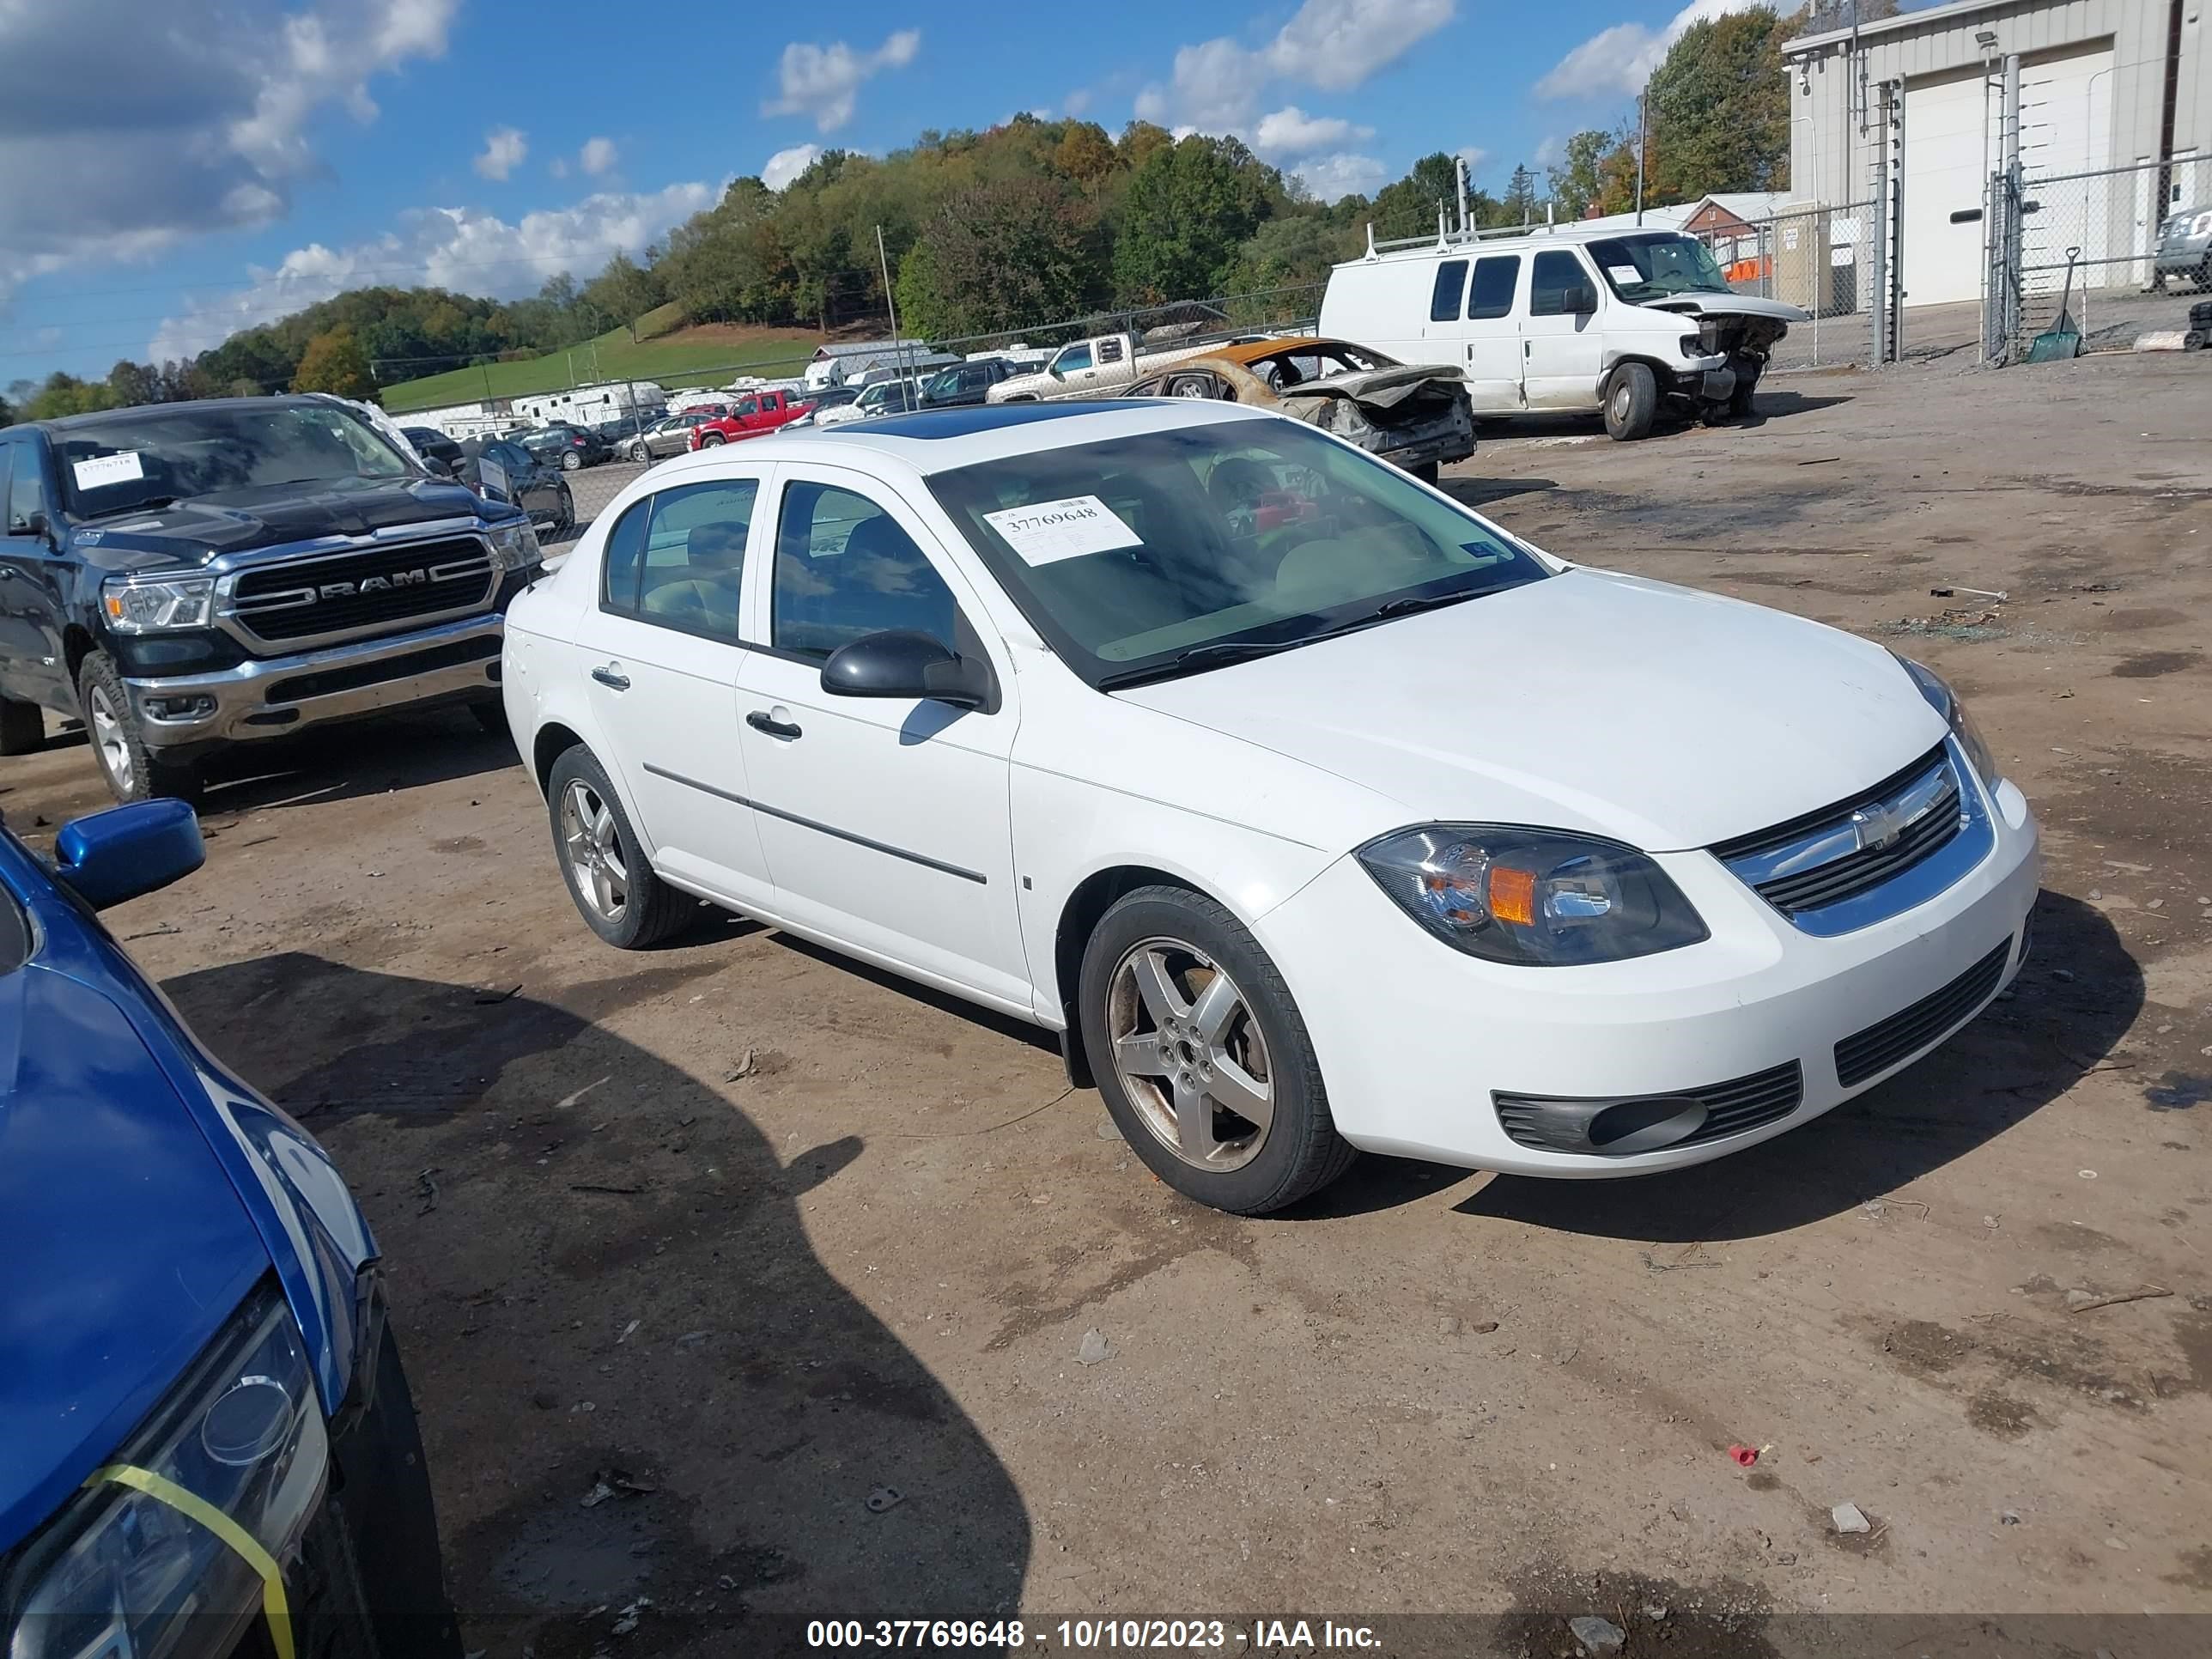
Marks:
<point>208,1449</point>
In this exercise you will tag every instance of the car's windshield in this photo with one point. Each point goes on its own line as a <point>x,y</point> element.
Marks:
<point>1642,268</point>
<point>1128,554</point>
<point>178,451</point>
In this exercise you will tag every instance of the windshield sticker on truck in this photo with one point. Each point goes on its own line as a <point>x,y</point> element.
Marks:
<point>1624,273</point>
<point>1045,533</point>
<point>103,469</point>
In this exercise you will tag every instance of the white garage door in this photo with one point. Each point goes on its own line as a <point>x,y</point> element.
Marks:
<point>1949,148</point>
<point>1952,142</point>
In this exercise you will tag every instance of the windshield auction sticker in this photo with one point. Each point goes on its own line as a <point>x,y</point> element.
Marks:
<point>102,470</point>
<point>1045,533</point>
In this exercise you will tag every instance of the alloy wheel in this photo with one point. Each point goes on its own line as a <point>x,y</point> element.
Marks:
<point>1189,1055</point>
<point>110,738</point>
<point>594,850</point>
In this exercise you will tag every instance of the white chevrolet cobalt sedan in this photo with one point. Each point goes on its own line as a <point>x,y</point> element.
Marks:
<point>1313,810</point>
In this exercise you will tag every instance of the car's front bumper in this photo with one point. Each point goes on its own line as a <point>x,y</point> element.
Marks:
<point>2182,259</point>
<point>270,697</point>
<point>1414,1037</point>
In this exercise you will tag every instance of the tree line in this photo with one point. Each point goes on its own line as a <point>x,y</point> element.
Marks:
<point>1020,225</point>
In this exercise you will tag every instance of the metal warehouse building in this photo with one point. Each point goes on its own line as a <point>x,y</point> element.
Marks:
<point>2110,91</point>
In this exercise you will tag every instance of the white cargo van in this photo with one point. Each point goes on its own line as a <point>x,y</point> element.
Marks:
<point>1565,320</point>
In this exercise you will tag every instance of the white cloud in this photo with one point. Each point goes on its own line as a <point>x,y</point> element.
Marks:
<point>1078,101</point>
<point>1619,60</point>
<point>1473,154</point>
<point>1290,132</point>
<point>1333,44</point>
<point>208,131</point>
<point>1330,177</point>
<point>825,81</point>
<point>503,151</point>
<point>558,166</point>
<point>460,248</point>
<point>785,165</point>
<point>599,155</point>
<point>1551,151</point>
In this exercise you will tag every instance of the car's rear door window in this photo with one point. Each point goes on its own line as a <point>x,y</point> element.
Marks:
<point>1491,294</point>
<point>1443,299</point>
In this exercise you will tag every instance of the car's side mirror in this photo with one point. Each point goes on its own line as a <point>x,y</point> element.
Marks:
<point>1582,300</point>
<point>905,662</point>
<point>128,851</point>
<point>437,467</point>
<point>37,524</point>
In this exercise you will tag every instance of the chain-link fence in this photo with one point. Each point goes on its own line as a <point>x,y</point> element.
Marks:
<point>2092,245</point>
<point>1820,259</point>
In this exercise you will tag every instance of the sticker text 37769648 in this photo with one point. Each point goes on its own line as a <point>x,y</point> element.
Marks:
<point>1045,533</point>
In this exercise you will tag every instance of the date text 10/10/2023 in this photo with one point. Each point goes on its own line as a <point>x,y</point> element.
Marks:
<point>1089,1635</point>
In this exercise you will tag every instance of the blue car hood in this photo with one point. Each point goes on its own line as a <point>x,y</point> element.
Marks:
<point>127,1244</point>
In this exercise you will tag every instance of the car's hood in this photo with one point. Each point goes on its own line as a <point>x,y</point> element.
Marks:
<point>1729,304</point>
<point>1377,388</point>
<point>127,1244</point>
<point>239,521</point>
<point>1657,715</point>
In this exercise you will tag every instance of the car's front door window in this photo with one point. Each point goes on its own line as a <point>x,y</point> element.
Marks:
<point>845,568</point>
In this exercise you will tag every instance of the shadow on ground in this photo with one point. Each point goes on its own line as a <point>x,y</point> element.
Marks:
<point>356,758</point>
<point>2018,1057</point>
<point>598,1261</point>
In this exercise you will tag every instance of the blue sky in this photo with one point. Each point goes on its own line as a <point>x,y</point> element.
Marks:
<point>170,173</point>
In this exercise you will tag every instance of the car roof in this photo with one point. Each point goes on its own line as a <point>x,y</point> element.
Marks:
<point>942,441</point>
<point>65,422</point>
<point>1253,351</point>
<point>1562,235</point>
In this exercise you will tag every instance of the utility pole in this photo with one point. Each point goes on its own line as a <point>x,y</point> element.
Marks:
<point>884,259</point>
<point>1643,129</point>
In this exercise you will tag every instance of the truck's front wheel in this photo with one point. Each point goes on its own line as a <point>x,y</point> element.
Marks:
<point>132,768</point>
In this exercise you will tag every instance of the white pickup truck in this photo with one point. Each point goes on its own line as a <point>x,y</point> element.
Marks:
<point>1096,367</point>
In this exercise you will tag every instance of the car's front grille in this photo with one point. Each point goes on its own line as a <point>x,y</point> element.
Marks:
<point>1887,1042</point>
<point>1551,1123</point>
<point>1840,852</point>
<point>346,593</point>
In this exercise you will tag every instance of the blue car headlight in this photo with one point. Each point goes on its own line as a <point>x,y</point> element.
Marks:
<point>124,1571</point>
<point>1536,898</point>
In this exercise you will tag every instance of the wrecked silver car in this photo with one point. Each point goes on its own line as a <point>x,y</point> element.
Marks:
<point>1414,417</point>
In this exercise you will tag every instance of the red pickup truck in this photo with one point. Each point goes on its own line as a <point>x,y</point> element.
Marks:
<point>749,416</point>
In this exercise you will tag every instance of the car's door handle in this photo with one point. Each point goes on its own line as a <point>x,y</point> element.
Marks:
<point>761,720</point>
<point>612,678</point>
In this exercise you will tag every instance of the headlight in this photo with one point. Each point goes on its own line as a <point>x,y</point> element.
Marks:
<point>122,1571</point>
<point>1532,897</point>
<point>1945,701</point>
<point>152,604</point>
<point>514,546</point>
<point>1693,347</point>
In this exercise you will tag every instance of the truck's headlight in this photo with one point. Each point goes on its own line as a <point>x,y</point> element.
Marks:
<point>1945,701</point>
<point>1534,898</point>
<point>125,1571</point>
<point>514,546</point>
<point>155,604</point>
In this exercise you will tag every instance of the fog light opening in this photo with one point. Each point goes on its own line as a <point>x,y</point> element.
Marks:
<point>1645,1126</point>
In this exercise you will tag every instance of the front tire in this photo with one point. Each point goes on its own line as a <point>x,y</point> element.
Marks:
<point>1201,1056</point>
<point>640,453</point>
<point>613,886</point>
<point>132,767</point>
<point>1632,401</point>
<point>1747,382</point>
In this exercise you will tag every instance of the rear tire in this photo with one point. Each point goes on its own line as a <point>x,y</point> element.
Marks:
<point>132,767</point>
<point>1188,1070</point>
<point>23,727</point>
<point>570,461</point>
<point>1632,401</point>
<point>712,441</point>
<point>614,888</point>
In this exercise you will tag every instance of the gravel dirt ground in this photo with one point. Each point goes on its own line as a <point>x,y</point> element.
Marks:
<point>792,1268</point>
